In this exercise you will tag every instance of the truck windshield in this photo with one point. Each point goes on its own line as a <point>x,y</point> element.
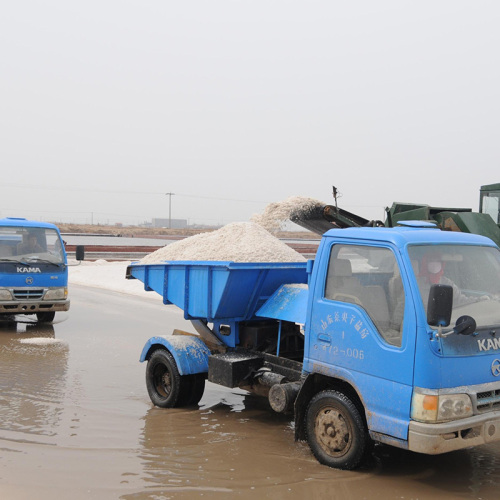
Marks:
<point>30,244</point>
<point>472,271</point>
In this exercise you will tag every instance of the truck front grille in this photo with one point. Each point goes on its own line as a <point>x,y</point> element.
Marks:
<point>488,400</point>
<point>28,293</point>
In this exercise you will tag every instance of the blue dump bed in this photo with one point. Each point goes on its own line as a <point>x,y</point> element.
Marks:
<point>217,291</point>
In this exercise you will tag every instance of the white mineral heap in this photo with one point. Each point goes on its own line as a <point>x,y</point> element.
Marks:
<point>240,241</point>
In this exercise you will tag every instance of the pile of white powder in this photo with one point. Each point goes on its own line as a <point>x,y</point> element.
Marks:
<point>241,241</point>
<point>276,214</point>
<point>236,242</point>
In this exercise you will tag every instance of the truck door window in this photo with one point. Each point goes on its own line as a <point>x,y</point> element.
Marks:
<point>369,277</point>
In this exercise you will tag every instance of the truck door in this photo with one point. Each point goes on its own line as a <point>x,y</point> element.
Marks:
<point>362,329</point>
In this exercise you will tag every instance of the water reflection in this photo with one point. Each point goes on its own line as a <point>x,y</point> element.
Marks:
<point>484,470</point>
<point>233,445</point>
<point>202,448</point>
<point>24,324</point>
<point>33,366</point>
<point>469,473</point>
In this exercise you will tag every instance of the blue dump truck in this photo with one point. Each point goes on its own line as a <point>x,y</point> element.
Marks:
<point>390,335</point>
<point>33,269</point>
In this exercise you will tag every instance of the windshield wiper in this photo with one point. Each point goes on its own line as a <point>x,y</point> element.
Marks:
<point>31,260</point>
<point>17,261</point>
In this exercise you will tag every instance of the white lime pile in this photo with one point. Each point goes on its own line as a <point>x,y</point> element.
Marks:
<point>276,214</point>
<point>236,242</point>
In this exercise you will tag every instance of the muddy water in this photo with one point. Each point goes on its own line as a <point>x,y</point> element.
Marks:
<point>76,422</point>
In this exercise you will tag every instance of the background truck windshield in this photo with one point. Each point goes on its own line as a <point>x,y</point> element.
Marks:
<point>30,244</point>
<point>472,271</point>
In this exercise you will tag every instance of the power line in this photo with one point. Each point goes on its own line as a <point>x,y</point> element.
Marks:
<point>111,191</point>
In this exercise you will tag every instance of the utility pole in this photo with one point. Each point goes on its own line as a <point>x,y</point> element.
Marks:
<point>169,209</point>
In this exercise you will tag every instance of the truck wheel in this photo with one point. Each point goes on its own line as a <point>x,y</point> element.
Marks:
<point>163,381</point>
<point>193,390</point>
<point>45,317</point>
<point>335,430</point>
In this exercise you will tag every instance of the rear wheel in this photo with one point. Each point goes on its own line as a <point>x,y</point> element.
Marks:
<point>45,317</point>
<point>167,388</point>
<point>193,387</point>
<point>336,431</point>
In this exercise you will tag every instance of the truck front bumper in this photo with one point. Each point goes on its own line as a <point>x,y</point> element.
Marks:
<point>434,439</point>
<point>28,307</point>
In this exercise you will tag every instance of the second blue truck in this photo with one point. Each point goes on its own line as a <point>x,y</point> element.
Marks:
<point>33,269</point>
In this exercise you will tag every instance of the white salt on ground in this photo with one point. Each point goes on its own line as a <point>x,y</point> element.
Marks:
<point>236,242</point>
<point>276,214</point>
<point>41,341</point>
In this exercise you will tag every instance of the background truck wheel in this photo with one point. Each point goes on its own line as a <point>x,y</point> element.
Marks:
<point>167,388</point>
<point>335,430</point>
<point>45,317</point>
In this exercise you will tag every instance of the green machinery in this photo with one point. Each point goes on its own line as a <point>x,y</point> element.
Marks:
<point>486,222</point>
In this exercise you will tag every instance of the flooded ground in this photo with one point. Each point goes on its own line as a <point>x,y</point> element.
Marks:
<point>76,422</point>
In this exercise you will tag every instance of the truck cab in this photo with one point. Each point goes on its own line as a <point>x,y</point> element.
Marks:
<point>368,335</point>
<point>33,269</point>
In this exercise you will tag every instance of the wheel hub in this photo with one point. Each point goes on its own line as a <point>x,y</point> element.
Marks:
<point>166,381</point>
<point>332,431</point>
<point>163,382</point>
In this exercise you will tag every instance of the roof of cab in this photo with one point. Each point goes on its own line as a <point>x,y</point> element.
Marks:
<point>20,222</point>
<point>402,236</point>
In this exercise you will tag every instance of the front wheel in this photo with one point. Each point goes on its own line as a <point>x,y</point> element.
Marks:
<point>336,431</point>
<point>45,317</point>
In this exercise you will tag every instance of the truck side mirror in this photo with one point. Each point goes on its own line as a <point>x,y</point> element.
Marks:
<point>440,305</point>
<point>80,252</point>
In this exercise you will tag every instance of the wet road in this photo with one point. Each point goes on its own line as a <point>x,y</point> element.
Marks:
<point>76,422</point>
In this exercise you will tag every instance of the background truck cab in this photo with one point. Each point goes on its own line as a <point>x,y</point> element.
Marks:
<point>33,269</point>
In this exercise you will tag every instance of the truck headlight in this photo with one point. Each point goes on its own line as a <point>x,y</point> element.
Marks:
<point>440,407</point>
<point>56,293</point>
<point>5,294</point>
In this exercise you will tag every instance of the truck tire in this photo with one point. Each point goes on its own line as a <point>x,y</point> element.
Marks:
<point>335,430</point>
<point>167,388</point>
<point>193,392</point>
<point>45,317</point>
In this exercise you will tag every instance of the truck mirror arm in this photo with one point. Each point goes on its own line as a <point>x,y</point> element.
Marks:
<point>465,325</point>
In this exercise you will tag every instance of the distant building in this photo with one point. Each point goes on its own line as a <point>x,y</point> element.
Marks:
<point>172,223</point>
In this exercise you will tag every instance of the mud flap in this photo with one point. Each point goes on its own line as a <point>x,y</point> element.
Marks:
<point>305,394</point>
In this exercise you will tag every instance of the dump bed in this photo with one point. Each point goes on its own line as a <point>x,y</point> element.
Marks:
<point>217,291</point>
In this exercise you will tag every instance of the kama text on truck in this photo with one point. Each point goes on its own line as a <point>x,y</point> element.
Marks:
<point>356,344</point>
<point>33,269</point>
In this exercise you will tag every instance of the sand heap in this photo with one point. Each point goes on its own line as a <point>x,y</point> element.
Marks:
<point>276,214</point>
<point>236,242</point>
<point>242,241</point>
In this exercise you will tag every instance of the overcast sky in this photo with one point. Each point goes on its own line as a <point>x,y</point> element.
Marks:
<point>105,106</point>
